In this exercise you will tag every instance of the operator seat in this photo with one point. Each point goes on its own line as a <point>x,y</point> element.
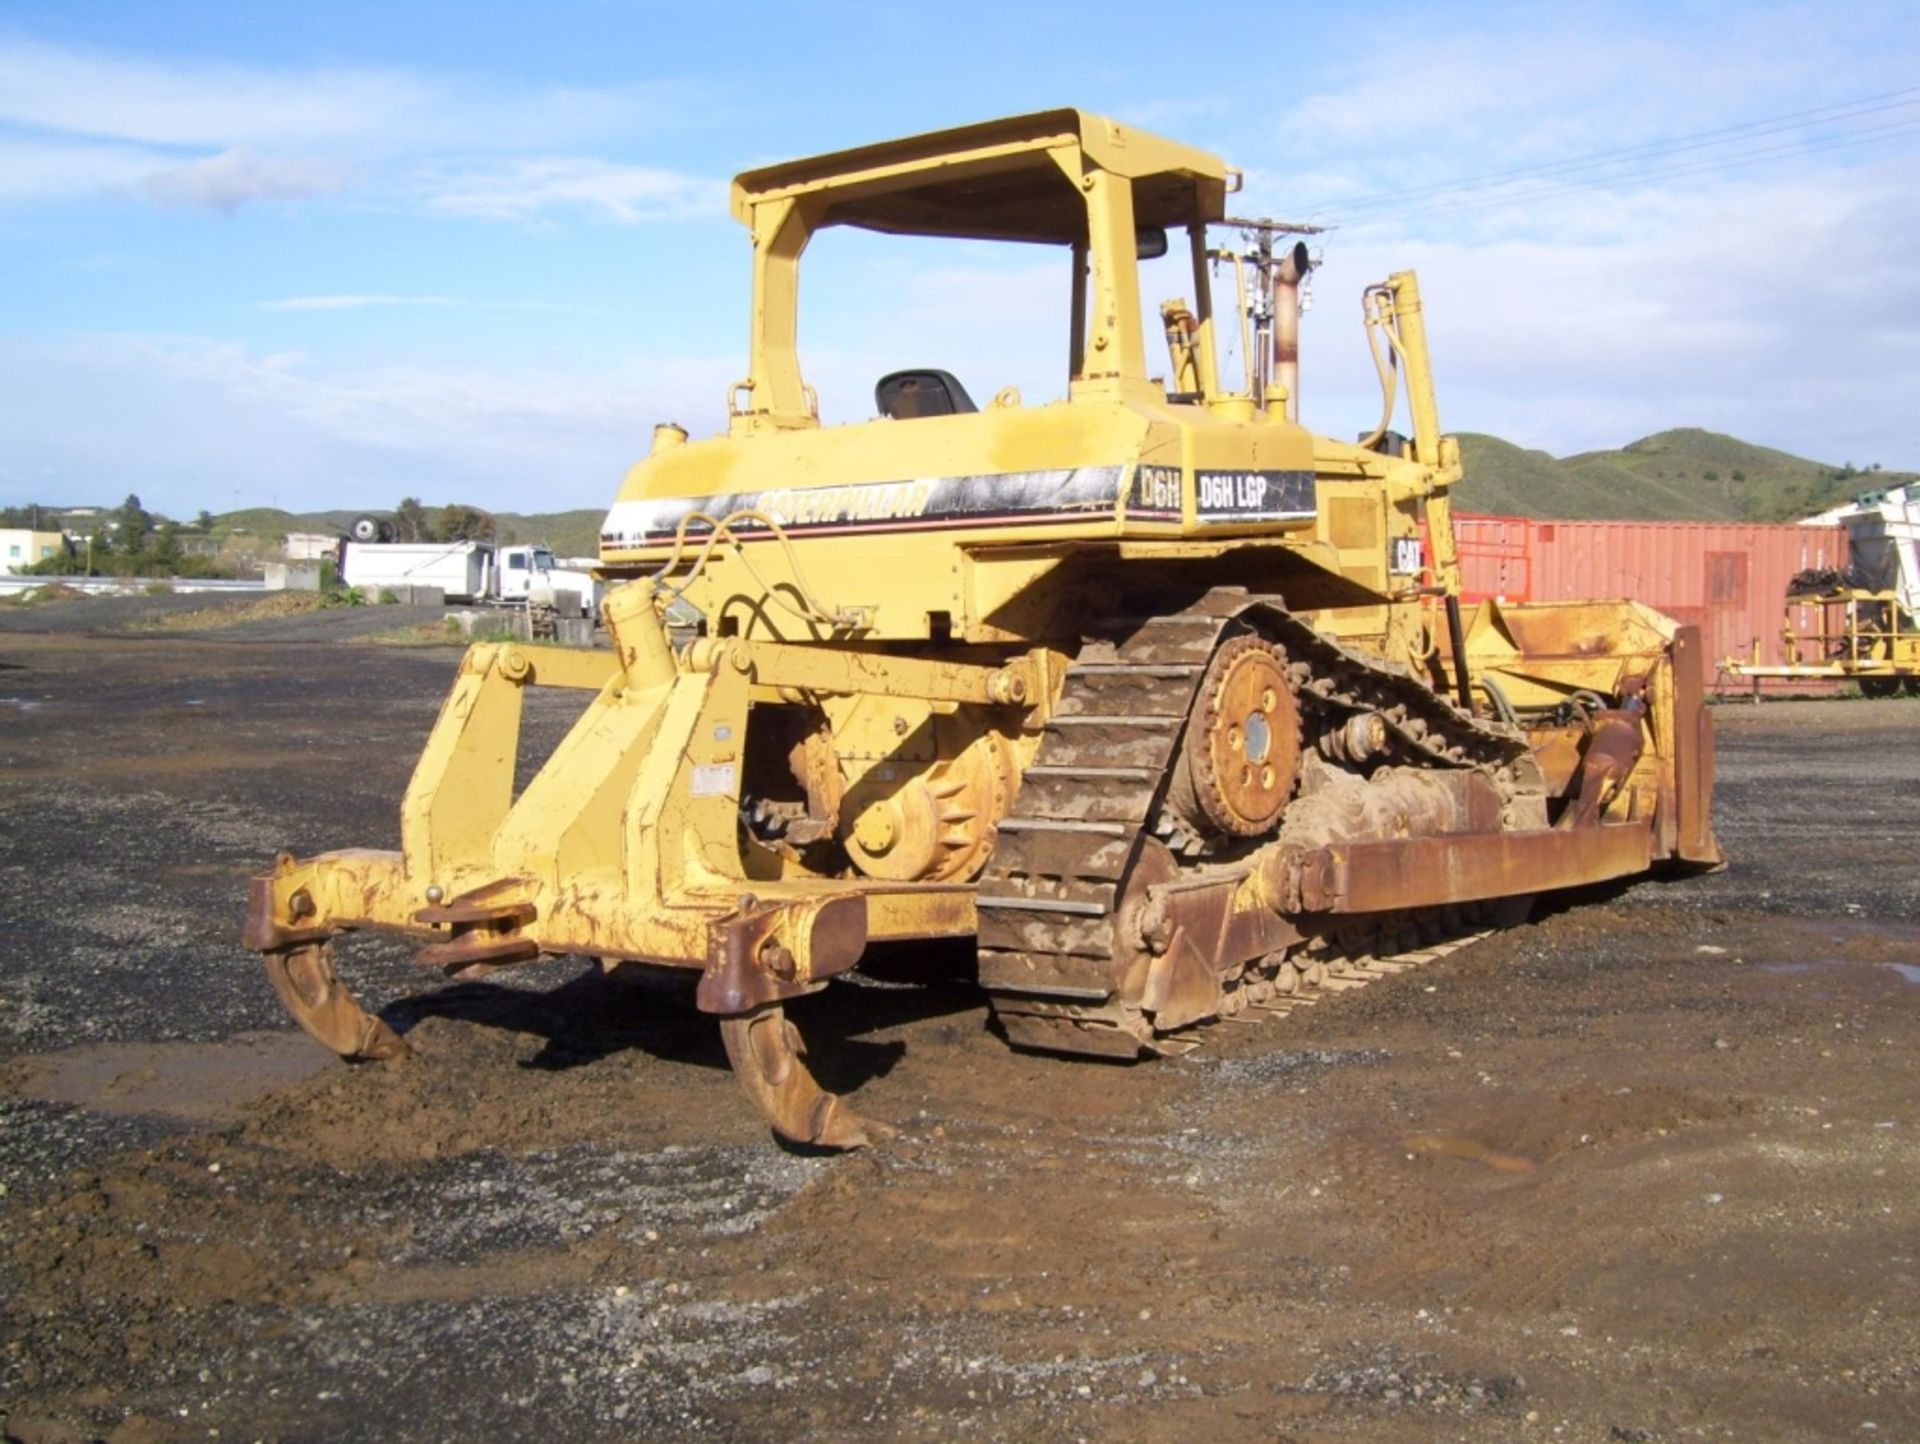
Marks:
<point>905,395</point>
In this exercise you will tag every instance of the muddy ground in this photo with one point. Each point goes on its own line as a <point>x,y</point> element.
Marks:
<point>1645,1169</point>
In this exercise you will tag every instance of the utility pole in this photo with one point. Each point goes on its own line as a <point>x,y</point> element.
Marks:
<point>1276,305</point>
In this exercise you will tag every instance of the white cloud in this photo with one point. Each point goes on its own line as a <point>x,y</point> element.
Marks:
<point>169,104</point>
<point>218,136</point>
<point>229,180</point>
<point>33,169</point>
<point>1550,74</point>
<point>520,190</point>
<point>193,422</point>
<point>1566,86</point>
<point>206,104</point>
<point>1786,311</point>
<point>1781,303</point>
<point>354,303</point>
<point>1583,308</point>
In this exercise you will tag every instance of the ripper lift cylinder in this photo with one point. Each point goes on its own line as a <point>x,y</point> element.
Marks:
<point>640,636</point>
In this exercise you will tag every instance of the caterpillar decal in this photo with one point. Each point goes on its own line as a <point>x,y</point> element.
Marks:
<point>1011,498</point>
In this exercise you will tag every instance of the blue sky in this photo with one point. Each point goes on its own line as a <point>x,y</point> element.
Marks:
<point>332,255</point>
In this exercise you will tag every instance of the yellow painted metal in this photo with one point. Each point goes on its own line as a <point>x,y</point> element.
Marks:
<point>842,670</point>
<point>627,841</point>
<point>887,609</point>
<point>625,844</point>
<point>1065,178</point>
<point>1541,654</point>
<point>570,667</point>
<point>463,784</point>
<point>1858,633</point>
<point>1440,454</point>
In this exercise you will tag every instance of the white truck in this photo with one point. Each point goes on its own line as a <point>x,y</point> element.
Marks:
<point>469,571</point>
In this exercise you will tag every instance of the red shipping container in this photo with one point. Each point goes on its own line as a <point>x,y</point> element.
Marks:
<point>1727,578</point>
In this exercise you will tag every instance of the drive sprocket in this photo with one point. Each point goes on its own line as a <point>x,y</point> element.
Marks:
<point>1240,760</point>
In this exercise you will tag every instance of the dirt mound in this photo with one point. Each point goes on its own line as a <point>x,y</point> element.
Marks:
<point>233,614</point>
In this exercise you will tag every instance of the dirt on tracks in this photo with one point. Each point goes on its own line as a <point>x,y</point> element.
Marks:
<point>1644,1169</point>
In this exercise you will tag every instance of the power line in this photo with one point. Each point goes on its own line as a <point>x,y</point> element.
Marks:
<point>1470,205</point>
<point>1843,110</point>
<point>1572,168</point>
<point>1649,150</point>
<point>1492,203</point>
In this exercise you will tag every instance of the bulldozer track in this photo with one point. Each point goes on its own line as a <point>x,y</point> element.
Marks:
<point>1051,931</point>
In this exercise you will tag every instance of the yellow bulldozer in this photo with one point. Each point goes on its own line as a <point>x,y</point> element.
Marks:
<point>1166,701</point>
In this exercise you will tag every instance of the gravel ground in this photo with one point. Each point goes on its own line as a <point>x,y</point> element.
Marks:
<point>1643,1169</point>
<point>227,616</point>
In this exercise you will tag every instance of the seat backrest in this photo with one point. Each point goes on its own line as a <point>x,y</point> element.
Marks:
<point>904,395</point>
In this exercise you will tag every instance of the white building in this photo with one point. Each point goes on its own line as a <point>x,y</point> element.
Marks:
<point>310,546</point>
<point>20,548</point>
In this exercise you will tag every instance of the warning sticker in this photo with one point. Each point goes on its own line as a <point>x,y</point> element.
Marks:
<point>714,779</point>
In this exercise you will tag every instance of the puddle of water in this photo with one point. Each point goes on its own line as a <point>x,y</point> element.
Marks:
<point>191,1082</point>
<point>1910,972</point>
<point>1854,934</point>
<point>1459,1145</point>
<point>1847,929</point>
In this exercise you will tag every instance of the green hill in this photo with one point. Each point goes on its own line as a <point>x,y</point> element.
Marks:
<point>569,533</point>
<point>1683,475</point>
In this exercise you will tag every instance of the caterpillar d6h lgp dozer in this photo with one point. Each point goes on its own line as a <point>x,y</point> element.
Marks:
<point>1166,701</point>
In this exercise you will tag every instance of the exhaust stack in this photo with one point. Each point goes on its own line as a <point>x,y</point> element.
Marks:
<point>1288,272</point>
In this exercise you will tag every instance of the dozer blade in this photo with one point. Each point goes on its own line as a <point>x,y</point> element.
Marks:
<point>304,978</point>
<point>766,1051</point>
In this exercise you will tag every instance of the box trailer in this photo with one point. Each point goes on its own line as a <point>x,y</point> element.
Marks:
<point>464,571</point>
<point>468,571</point>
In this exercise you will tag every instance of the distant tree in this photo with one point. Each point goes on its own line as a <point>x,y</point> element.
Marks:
<point>1713,475</point>
<point>135,522</point>
<point>459,522</point>
<point>410,521</point>
<point>166,548</point>
<point>203,522</point>
<point>1739,476</point>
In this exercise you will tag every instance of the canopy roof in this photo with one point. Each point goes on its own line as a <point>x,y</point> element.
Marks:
<point>998,180</point>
